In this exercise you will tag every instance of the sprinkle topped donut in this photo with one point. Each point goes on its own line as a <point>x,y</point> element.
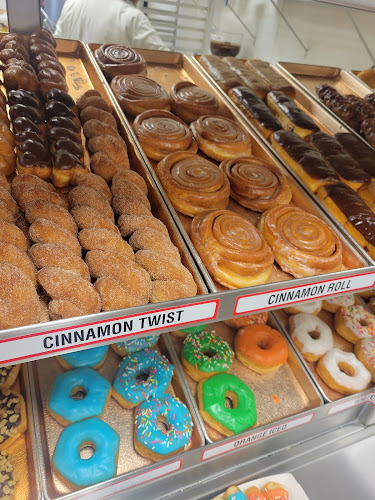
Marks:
<point>335,303</point>
<point>354,323</point>
<point>365,352</point>
<point>134,345</point>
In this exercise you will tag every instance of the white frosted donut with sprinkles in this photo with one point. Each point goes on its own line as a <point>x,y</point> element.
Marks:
<point>310,307</point>
<point>343,372</point>
<point>354,323</point>
<point>311,335</point>
<point>365,352</point>
<point>333,304</point>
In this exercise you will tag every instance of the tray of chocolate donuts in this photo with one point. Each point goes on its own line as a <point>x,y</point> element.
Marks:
<point>123,405</point>
<point>83,227</point>
<point>216,198</point>
<point>335,340</point>
<point>322,153</point>
<point>244,364</point>
<point>19,474</point>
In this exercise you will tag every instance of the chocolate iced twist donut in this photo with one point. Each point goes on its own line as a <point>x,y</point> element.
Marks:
<point>256,184</point>
<point>303,245</point>
<point>192,183</point>
<point>161,133</point>
<point>232,249</point>
<point>119,60</point>
<point>221,138</point>
<point>190,102</point>
<point>137,93</point>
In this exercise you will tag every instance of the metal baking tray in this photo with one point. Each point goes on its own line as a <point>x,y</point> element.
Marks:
<point>130,463</point>
<point>282,319</point>
<point>81,76</point>
<point>279,395</point>
<point>168,68</point>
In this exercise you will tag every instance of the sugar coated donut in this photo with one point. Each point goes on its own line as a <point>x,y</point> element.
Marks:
<point>137,344</point>
<point>310,307</point>
<point>77,471</point>
<point>212,394</point>
<point>8,375</point>
<point>343,372</point>
<point>153,443</point>
<point>92,358</point>
<point>232,493</point>
<point>365,352</point>
<point>206,354</point>
<point>141,375</point>
<point>354,323</point>
<point>261,348</point>
<point>249,319</point>
<point>62,404</point>
<point>333,304</point>
<point>311,335</point>
<point>13,417</point>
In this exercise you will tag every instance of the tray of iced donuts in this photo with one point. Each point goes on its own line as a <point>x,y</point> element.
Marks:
<point>227,192</point>
<point>83,228</point>
<point>122,404</point>
<point>18,463</point>
<point>335,339</point>
<point>278,487</point>
<point>246,364</point>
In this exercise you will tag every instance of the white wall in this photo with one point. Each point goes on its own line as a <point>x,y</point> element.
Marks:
<point>324,29</point>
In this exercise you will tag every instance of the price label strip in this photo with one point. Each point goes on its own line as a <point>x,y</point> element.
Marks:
<point>92,334</point>
<point>302,293</point>
<point>344,405</point>
<point>255,436</point>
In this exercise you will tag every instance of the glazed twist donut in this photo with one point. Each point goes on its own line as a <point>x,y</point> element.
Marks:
<point>190,102</point>
<point>192,183</point>
<point>303,245</point>
<point>116,60</point>
<point>233,250</point>
<point>137,93</point>
<point>256,184</point>
<point>221,138</point>
<point>161,133</point>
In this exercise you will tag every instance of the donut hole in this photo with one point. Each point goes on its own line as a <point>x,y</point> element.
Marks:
<point>78,393</point>
<point>143,377</point>
<point>86,450</point>
<point>346,368</point>
<point>315,334</point>
<point>263,344</point>
<point>209,353</point>
<point>363,322</point>
<point>231,400</point>
<point>162,424</point>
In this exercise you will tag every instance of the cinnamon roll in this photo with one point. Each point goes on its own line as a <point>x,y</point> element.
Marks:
<point>256,184</point>
<point>137,93</point>
<point>221,138</point>
<point>232,249</point>
<point>119,60</point>
<point>192,183</point>
<point>161,133</point>
<point>190,102</point>
<point>302,244</point>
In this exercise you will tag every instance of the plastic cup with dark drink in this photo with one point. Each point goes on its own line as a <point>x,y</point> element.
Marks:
<point>226,44</point>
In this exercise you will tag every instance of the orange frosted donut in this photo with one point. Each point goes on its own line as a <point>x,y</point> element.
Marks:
<point>261,348</point>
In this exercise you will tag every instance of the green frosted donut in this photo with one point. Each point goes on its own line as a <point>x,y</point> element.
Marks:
<point>194,329</point>
<point>206,354</point>
<point>212,393</point>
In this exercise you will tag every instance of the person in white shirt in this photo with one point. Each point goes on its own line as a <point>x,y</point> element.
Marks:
<point>107,21</point>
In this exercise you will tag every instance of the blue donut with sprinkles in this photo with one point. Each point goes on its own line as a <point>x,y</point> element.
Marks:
<point>92,358</point>
<point>152,442</point>
<point>133,345</point>
<point>141,375</point>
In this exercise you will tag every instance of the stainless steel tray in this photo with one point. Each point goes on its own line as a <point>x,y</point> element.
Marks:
<point>130,464</point>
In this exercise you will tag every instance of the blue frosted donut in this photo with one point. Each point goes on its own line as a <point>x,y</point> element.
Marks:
<point>141,375</point>
<point>137,344</point>
<point>103,463</point>
<point>91,358</point>
<point>158,443</point>
<point>96,389</point>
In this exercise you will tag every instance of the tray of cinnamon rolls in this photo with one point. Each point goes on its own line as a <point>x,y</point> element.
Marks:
<point>84,228</point>
<point>125,402</point>
<point>222,185</point>
<point>337,166</point>
<point>264,385</point>
<point>334,339</point>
